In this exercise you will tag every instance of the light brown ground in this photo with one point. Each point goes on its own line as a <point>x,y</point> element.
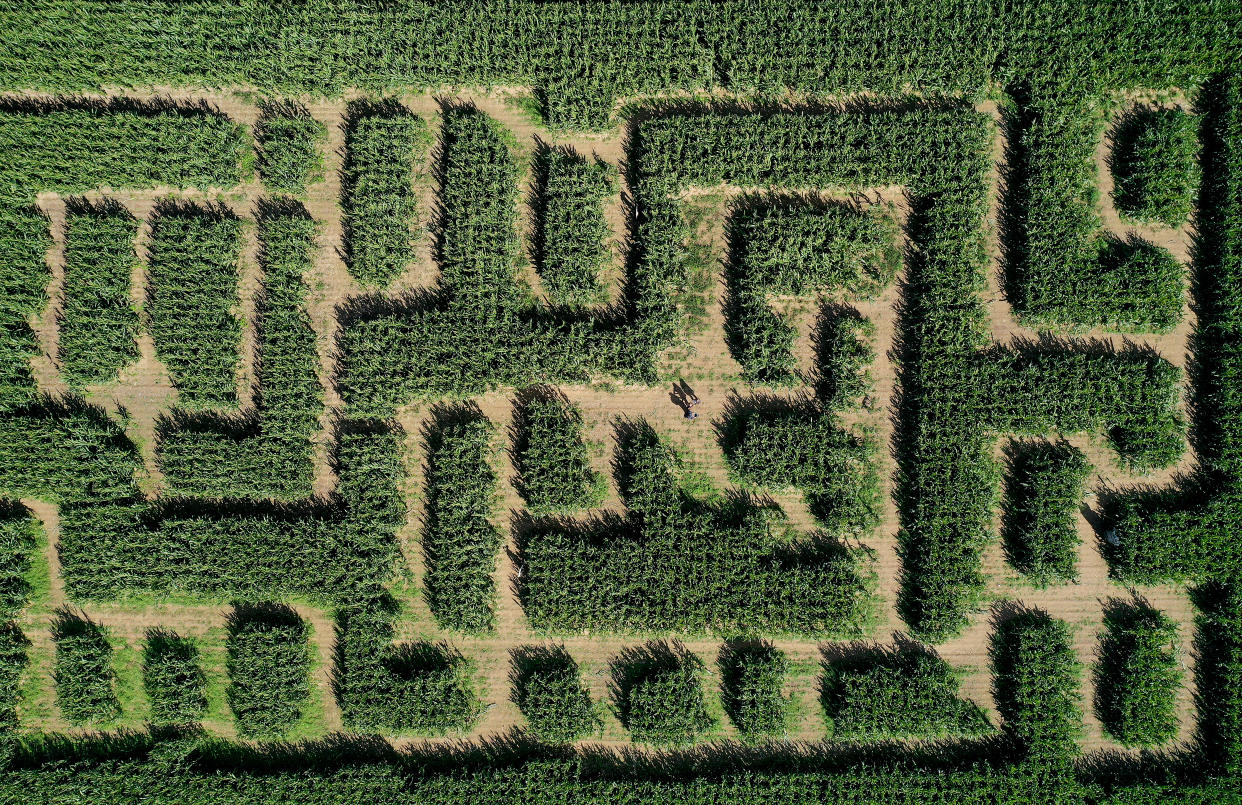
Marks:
<point>703,362</point>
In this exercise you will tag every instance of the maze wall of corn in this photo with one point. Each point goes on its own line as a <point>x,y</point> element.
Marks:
<point>750,401</point>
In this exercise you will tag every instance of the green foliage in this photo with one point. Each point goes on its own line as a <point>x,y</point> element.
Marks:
<point>1061,268</point>
<point>940,152</point>
<point>1035,684</point>
<point>657,693</point>
<point>269,668</point>
<point>944,165</point>
<point>843,353</point>
<point>554,470</point>
<point>319,773</point>
<point>903,692</point>
<point>173,678</point>
<point>326,551</point>
<point>751,675</point>
<point>1218,675</point>
<point>1184,532</point>
<point>268,454</point>
<point>778,443</point>
<point>459,540</point>
<point>795,246</point>
<point>13,662</point>
<point>673,562</point>
<point>192,281</point>
<point>797,45</point>
<point>813,147</point>
<point>1139,286</point>
<point>85,691</point>
<point>1154,165</point>
<point>65,451</point>
<point>1137,676</point>
<point>382,142</point>
<point>97,322</point>
<point>419,687</point>
<point>945,487</point>
<point>17,546</point>
<point>25,236</point>
<point>1043,491</point>
<point>1129,395</point>
<point>775,444</point>
<point>547,687</point>
<point>569,241</point>
<point>480,327</point>
<point>289,151</point>
<point>74,146</point>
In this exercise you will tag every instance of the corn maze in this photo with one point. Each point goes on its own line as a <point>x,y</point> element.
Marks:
<point>735,405</point>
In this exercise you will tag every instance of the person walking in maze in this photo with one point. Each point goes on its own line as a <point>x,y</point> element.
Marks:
<point>686,399</point>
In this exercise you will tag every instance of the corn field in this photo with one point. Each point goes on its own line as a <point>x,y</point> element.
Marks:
<point>337,456</point>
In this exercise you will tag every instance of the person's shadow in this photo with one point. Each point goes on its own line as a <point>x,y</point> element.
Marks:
<point>679,400</point>
<point>684,398</point>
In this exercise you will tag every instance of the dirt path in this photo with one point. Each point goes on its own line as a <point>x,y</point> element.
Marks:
<point>329,279</point>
